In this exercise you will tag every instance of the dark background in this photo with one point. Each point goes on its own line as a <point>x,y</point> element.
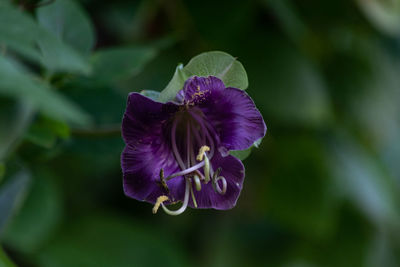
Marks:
<point>322,189</point>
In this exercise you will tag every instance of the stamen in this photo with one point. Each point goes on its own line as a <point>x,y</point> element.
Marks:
<point>206,169</point>
<point>202,152</point>
<point>217,172</point>
<point>188,144</point>
<point>174,147</point>
<point>204,125</point>
<point>162,181</point>
<point>199,140</point>
<point>212,130</point>
<point>184,205</point>
<point>192,194</point>
<point>159,201</point>
<point>224,185</point>
<point>187,171</point>
<point>201,176</point>
<point>197,182</point>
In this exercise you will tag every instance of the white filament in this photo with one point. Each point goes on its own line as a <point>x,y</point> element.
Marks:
<point>184,205</point>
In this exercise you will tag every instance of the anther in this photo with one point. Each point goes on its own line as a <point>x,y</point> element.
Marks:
<point>162,182</point>
<point>159,201</point>
<point>202,152</point>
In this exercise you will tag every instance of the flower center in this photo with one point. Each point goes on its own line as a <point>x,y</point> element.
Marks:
<point>193,146</point>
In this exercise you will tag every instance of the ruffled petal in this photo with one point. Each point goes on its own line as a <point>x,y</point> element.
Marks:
<point>147,149</point>
<point>233,171</point>
<point>235,118</point>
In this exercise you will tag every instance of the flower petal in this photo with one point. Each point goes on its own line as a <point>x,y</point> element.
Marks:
<point>147,149</point>
<point>234,116</point>
<point>198,89</point>
<point>233,171</point>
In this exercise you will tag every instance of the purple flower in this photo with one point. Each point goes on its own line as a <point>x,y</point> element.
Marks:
<point>179,151</point>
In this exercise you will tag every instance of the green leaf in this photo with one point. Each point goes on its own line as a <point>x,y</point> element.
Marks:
<point>4,260</point>
<point>243,154</point>
<point>174,85</point>
<point>15,117</point>
<point>215,63</point>
<point>11,195</point>
<point>45,131</point>
<point>151,94</point>
<point>41,136</point>
<point>20,33</point>
<point>384,15</point>
<point>69,22</point>
<point>2,171</point>
<point>114,64</point>
<point>363,181</point>
<point>102,241</point>
<point>221,65</point>
<point>289,85</point>
<point>17,83</point>
<point>38,218</point>
<point>299,186</point>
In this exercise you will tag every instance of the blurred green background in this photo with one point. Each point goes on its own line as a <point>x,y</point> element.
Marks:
<point>322,190</point>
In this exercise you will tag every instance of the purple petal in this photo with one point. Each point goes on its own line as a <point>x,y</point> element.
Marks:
<point>233,171</point>
<point>235,118</point>
<point>147,149</point>
<point>198,89</point>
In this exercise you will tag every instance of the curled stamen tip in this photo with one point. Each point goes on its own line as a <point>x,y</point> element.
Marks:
<point>202,150</point>
<point>159,201</point>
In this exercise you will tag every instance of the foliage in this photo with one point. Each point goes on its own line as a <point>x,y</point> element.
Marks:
<point>321,190</point>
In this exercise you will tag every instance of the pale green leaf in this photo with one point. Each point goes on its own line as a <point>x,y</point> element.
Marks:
<point>2,171</point>
<point>20,33</point>
<point>174,85</point>
<point>4,260</point>
<point>113,64</point>
<point>215,63</point>
<point>364,182</point>
<point>151,94</point>
<point>69,22</point>
<point>15,118</point>
<point>39,216</point>
<point>12,194</point>
<point>384,15</point>
<point>17,83</point>
<point>221,65</point>
<point>243,154</point>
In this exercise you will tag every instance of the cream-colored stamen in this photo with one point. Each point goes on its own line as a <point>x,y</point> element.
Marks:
<point>159,201</point>
<point>202,152</point>
<point>197,182</point>
<point>206,169</point>
<point>224,185</point>
<point>192,194</point>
